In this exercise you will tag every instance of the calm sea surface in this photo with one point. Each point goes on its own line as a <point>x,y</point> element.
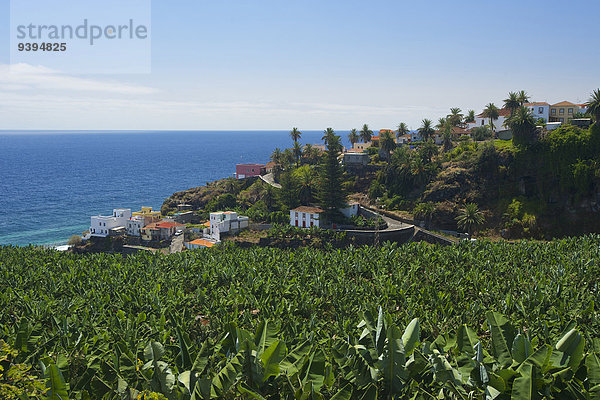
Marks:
<point>51,183</point>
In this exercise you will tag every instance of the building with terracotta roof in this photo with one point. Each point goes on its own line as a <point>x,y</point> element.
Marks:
<point>306,217</point>
<point>404,139</point>
<point>199,244</point>
<point>563,111</point>
<point>481,120</point>
<point>163,230</point>
<point>269,167</point>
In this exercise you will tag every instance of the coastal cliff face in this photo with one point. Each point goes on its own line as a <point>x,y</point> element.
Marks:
<point>548,189</point>
<point>200,197</point>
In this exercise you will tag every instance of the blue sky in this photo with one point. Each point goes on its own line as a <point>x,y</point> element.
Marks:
<point>314,64</point>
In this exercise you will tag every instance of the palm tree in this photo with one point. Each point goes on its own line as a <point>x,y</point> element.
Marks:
<point>305,177</point>
<point>512,102</point>
<point>447,141</point>
<point>295,134</point>
<point>311,155</point>
<point>330,138</point>
<point>522,125</point>
<point>470,116</point>
<point>277,159</point>
<point>425,211</point>
<point>327,134</point>
<point>455,117</point>
<point>366,133</point>
<point>402,129</point>
<point>387,143</point>
<point>441,123</point>
<point>276,156</point>
<point>470,217</point>
<point>593,105</point>
<point>353,137</point>
<point>523,97</point>
<point>297,149</point>
<point>491,112</point>
<point>426,130</point>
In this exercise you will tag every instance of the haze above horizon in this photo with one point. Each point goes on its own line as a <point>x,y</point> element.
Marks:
<point>270,65</point>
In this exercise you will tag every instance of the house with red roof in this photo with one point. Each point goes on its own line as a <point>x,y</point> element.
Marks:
<point>163,230</point>
<point>481,120</point>
<point>306,217</point>
<point>563,111</point>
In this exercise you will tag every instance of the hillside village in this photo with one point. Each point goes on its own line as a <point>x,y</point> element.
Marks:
<point>369,185</point>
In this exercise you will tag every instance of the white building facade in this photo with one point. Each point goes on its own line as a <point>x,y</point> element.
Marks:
<point>226,222</point>
<point>351,210</point>
<point>306,217</point>
<point>134,225</point>
<point>101,225</point>
<point>539,110</point>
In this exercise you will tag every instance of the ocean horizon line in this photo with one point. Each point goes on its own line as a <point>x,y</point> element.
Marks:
<point>76,131</point>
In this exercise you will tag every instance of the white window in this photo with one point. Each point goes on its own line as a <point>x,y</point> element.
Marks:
<point>541,110</point>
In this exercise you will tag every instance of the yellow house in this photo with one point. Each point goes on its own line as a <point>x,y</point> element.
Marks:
<point>563,111</point>
<point>147,212</point>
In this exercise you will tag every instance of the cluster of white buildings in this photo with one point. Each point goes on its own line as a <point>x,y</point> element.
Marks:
<point>146,224</point>
<point>553,114</point>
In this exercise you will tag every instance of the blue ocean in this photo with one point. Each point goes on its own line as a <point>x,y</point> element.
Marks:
<point>52,182</point>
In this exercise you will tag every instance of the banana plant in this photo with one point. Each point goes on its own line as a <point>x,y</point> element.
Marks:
<point>382,359</point>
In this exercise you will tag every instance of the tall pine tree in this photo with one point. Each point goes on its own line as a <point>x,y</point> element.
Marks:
<point>331,194</point>
<point>288,194</point>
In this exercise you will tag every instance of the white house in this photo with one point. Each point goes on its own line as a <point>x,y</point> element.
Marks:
<point>135,224</point>
<point>306,217</point>
<point>102,225</point>
<point>225,222</point>
<point>480,120</point>
<point>351,210</point>
<point>539,110</point>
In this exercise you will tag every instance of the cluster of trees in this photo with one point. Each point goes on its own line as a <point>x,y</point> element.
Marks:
<point>312,176</point>
<point>308,175</point>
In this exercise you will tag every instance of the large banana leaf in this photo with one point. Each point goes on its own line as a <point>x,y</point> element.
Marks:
<point>503,335</point>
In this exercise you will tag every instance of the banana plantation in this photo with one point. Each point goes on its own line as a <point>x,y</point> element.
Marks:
<point>472,321</point>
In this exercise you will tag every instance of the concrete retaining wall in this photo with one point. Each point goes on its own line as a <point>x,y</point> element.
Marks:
<point>368,236</point>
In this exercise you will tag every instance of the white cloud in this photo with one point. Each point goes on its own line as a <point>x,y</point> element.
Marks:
<point>19,77</point>
<point>60,101</point>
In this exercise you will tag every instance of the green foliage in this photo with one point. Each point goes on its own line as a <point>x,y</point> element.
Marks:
<point>225,201</point>
<point>288,194</point>
<point>376,190</point>
<point>331,192</point>
<point>16,380</point>
<point>181,324</point>
<point>74,240</point>
<point>362,222</point>
<point>593,105</point>
<point>481,133</point>
<point>523,127</point>
<point>470,217</point>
